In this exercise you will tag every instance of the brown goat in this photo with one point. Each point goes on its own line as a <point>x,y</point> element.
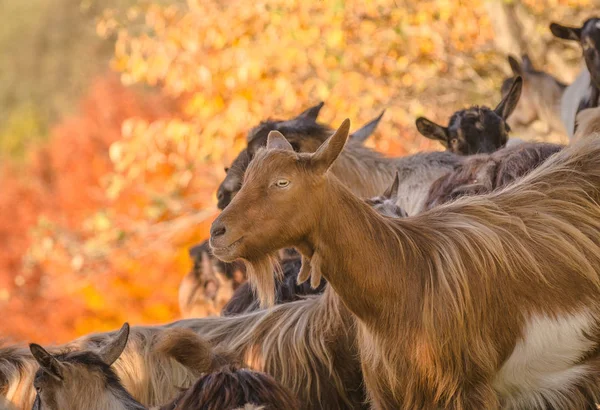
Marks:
<point>540,97</point>
<point>466,306</point>
<point>84,379</point>
<point>481,174</point>
<point>475,130</point>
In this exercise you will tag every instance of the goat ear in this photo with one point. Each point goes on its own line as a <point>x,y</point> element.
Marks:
<point>276,140</point>
<point>564,32</point>
<point>510,100</point>
<point>111,352</point>
<point>48,363</point>
<point>366,130</point>
<point>515,66</point>
<point>312,113</point>
<point>327,153</point>
<point>526,63</point>
<point>392,191</point>
<point>433,131</point>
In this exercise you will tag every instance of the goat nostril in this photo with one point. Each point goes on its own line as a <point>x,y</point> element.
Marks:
<point>220,195</point>
<point>216,231</point>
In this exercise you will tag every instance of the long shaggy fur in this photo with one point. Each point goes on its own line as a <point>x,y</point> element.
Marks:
<point>17,369</point>
<point>85,380</point>
<point>147,368</point>
<point>307,345</point>
<point>466,265</point>
<point>263,271</point>
<point>286,290</point>
<point>480,174</point>
<point>192,351</point>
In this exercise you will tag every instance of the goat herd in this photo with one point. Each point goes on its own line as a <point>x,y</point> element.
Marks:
<point>470,278</point>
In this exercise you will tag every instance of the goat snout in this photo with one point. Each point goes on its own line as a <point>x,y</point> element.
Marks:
<point>217,229</point>
<point>223,242</point>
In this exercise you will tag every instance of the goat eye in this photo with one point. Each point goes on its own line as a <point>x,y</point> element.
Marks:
<point>282,183</point>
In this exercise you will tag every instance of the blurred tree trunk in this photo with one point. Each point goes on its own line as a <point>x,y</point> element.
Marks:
<point>508,28</point>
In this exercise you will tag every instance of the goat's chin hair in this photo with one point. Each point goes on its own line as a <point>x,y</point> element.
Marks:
<point>262,273</point>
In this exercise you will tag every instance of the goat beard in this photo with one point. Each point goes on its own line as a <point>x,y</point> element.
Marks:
<point>262,273</point>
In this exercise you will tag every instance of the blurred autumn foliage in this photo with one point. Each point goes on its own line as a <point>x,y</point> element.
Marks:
<point>50,210</point>
<point>96,223</point>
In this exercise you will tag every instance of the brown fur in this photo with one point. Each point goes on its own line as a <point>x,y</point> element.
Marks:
<point>588,123</point>
<point>17,369</point>
<point>191,351</point>
<point>480,174</point>
<point>232,388</point>
<point>307,345</point>
<point>441,298</point>
<point>286,290</point>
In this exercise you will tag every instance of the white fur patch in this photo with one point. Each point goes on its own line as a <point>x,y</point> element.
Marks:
<point>543,363</point>
<point>573,95</point>
<point>514,141</point>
